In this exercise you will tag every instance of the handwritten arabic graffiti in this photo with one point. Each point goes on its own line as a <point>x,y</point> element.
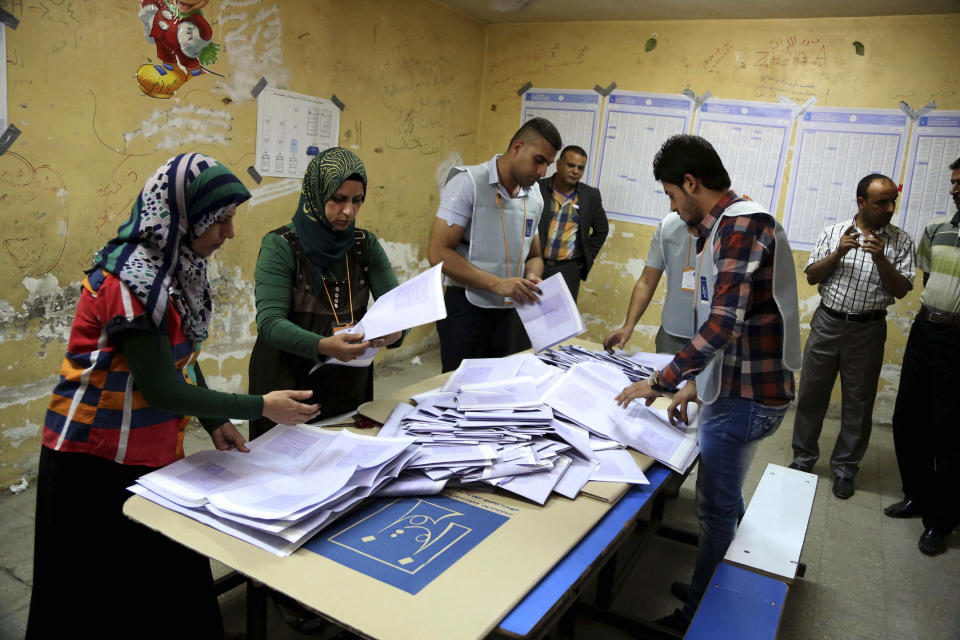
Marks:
<point>792,50</point>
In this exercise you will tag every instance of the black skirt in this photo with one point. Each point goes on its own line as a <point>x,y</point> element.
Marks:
<point>96,573</point>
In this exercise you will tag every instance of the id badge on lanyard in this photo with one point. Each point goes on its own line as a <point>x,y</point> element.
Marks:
<point>341,326</point>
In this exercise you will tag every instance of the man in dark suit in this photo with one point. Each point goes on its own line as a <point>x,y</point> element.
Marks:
<point>573,225</point>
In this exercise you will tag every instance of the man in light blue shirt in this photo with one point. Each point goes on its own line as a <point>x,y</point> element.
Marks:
<point>486,235</point>
<point>674,250</point>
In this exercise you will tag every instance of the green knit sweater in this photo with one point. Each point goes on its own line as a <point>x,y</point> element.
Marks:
<point>274,277</point>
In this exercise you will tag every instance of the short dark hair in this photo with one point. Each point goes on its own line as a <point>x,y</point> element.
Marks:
<point>683,154</point>
<point>540,127</point>
<point>955,165</point>
<point>573,148</point>
<point>864,185</point>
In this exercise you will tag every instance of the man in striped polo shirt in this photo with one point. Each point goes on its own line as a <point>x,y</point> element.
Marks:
<point>925,421</point>
<point>861,267</point>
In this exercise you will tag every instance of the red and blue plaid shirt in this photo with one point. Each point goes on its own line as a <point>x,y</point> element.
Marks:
<point>744,320</point>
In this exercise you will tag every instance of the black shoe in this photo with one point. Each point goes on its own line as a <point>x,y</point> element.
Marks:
<point>931,542</point>
<point>906,508</point>
<point>800,467</point>
<point>676,622</point>
<point>842,487</point>
<point>680,590</point>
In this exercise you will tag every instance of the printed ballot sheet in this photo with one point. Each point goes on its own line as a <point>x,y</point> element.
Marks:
<point>555,318</point>
<point>635,126</point>
<point>751,139</point>
<point>575,113</point>
<point>417,301</point>
<point>934,144</point>
<point>835,147</point>
<point>289,127</point>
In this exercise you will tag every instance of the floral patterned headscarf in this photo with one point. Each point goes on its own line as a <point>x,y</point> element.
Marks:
<point>151,253</point>
<point>326,172</point>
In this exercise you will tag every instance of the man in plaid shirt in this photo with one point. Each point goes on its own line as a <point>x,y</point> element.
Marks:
<point>861,266</point>
<point>740,361</point>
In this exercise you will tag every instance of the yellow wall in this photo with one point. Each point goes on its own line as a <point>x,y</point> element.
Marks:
<point>419,83</point>
<point>410,76</point>
<point>906,58</point>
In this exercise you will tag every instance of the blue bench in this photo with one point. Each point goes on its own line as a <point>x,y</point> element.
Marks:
<point>740,605</point>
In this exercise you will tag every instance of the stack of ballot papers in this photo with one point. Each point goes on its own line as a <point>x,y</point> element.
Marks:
<point>489,424</point>
<point>638,366</point>
<point>585,395</point>
<point>295,481</point>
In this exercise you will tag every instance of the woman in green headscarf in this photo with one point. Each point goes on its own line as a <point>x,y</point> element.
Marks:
<point>313,278</point>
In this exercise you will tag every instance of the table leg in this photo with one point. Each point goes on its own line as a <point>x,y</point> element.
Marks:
<point>256,610</point>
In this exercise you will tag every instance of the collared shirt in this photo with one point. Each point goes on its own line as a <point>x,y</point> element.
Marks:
<point>673,250</point>
<point>855,285</point>
<point>744,319</point>
<point>458,196</point>
<point>564,224</point>
<point>939,255</point>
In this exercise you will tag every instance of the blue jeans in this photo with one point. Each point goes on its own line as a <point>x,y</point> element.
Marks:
<point>729,431</point>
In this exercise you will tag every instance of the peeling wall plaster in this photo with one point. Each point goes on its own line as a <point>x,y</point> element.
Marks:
<point>404,257</point>
<point>46,300</point>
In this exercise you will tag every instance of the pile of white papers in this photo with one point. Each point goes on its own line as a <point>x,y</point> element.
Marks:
<point>295,481</point>
<point>637,367</point>
<point>585,395</point>
<point>488,424</point>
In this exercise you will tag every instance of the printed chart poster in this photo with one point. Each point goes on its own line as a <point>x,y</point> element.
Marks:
<point>291,129</point>
<point>575,113</point>
<point>751,139</point>
<point>836,147</point>
<point>406,542</point>
<point>934,144</point>
<point>635,126</point>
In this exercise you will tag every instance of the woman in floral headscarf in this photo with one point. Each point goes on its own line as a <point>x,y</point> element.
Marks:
<point>128,380</point>
<point>314,277</point>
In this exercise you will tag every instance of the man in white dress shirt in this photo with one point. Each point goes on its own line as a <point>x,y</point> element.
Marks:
<point>861,267</point>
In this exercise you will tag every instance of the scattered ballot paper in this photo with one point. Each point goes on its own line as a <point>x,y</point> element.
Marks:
<point>555,318</point>
<point>417,301</point>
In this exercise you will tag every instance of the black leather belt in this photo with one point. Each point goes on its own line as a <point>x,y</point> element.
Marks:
<point>869,316</point>
<point>939,318</point>
<point>553,263</point>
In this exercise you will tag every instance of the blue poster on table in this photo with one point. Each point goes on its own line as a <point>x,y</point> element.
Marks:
<point>406,542</point>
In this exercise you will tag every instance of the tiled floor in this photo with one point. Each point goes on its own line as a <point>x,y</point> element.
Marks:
<point>865,577</point>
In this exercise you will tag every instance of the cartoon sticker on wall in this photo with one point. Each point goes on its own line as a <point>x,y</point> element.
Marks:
<point>184,45</point>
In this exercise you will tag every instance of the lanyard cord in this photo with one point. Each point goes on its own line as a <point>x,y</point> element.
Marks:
<point>503,223</point>
<point>349,294</point>
<point>689,245</point>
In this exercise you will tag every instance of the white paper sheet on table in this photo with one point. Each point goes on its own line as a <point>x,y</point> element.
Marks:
<point>555,318</point>
<point>477,370</point>
<point>576,476</point>
<point>499,394</point>
<point>618,466</point>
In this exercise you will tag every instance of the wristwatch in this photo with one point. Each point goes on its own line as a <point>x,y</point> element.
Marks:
<point>654,382</point>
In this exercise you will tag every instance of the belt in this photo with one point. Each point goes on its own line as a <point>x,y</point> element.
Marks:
<point>553,263</point>
<point>868,316</point>
<point>939,318</point>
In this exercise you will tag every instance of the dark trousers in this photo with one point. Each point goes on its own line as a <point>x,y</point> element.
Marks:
<point>926,422</point>
<point>469,331</point>
<point>99,574</point>
<point>569,269</point>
